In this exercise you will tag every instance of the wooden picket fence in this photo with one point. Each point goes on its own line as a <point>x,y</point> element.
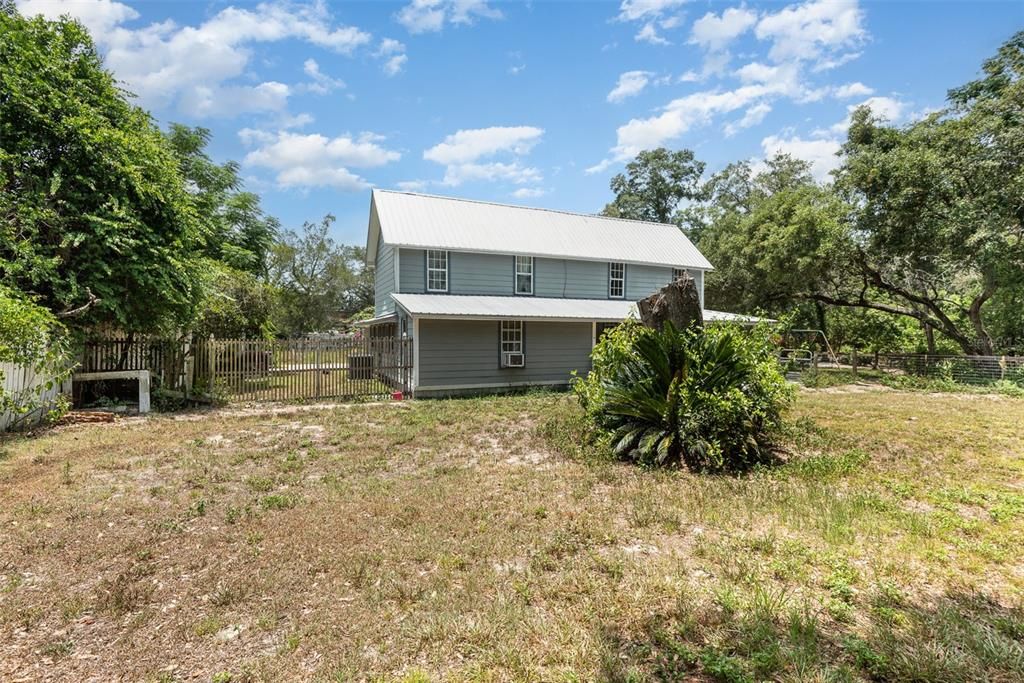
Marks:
<point>341,368</point>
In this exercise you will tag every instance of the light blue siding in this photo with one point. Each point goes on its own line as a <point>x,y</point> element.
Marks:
<point>493,274</point>
<point>384,279</point>
<point>466,353</point>
<point>412,271</point>
<point>565,278</point>
<point>642,281</point>
<point>470,273</point>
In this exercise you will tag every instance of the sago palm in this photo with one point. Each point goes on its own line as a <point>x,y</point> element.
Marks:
<point>653,402</point>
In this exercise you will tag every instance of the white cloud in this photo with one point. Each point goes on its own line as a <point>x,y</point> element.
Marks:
<point>99,16</point>
<point>389,46</point>
<point>634,10</point>
<point>470,145</point>
<point>796,40</point>
<point>315,160</point>
<point>886,108</point>
<point>652,14</point>
<point>427,16</point>
<point>189,66</point>
<point>751,117</point>
<point>463,154</point>
<point>821,154</point>
<point>321,83</point>
<point>649,34</point>
<point>630,84</point>
<point>857,89</point>
<point>785,78</point>
<point>812,30</point>
<point>529,192</point>
<point>412,185</point>
<point>226,101</point>
<point>393,54</point>
<point>714,32</point>
<point>684,113</point>
<point>833,62</point>
<point>393,66</point>
<point>456,174</point>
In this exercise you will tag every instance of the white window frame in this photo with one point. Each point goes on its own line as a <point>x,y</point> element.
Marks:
<point>521,262</point>
<point>678,273</point>
<point>511,338</point>
<point>619,280</point>
<point>434,269</point>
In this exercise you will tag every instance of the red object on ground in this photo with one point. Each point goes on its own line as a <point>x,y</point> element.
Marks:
<point>397,396</point>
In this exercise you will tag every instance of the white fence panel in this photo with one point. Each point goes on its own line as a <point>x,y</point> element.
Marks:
<point>23,383</point>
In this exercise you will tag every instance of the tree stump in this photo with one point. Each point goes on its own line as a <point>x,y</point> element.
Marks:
<point>678,302</point>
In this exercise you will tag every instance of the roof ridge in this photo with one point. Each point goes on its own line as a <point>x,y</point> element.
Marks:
<point>529,208</point>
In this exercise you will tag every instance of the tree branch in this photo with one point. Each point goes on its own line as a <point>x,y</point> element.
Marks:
<point>71,312</point>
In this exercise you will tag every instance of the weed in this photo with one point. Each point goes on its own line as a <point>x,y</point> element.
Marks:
<point>58,649</point>
<point>279,501</point>
<point>129,590</point>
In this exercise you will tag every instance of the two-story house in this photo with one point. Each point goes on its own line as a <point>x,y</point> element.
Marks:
<point>496,296</point>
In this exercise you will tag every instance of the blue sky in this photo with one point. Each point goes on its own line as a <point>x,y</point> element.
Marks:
<point>535,103</point>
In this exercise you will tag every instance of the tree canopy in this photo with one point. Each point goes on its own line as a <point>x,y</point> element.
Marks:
<point>320,282</point>
<point>96,221</point>
<point>923,222</point>
<point>654,185</point>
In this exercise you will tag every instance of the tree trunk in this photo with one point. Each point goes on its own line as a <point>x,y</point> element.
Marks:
<point>929,335</point>
<point>984,340</point>
<point>677,302</point>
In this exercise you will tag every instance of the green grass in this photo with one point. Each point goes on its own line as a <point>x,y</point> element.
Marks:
<point>491,539</point>
<point>825,378</point>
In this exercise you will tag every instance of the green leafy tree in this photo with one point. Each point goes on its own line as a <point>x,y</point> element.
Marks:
<point>237,231</point>
<point>936,223</point>
<point>237,304</point>
<point>923,222</point>
<point>95,220</point>
<point>320,283</point>
<point>654,184</point>
<point>770,236</point>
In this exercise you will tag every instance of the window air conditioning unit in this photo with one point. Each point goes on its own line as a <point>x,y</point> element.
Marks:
<point>514,360</point>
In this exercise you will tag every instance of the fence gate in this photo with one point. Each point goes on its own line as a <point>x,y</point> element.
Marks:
<point>302,369</point>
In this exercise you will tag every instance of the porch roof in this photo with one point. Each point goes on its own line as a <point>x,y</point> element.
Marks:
<point>532,308</point>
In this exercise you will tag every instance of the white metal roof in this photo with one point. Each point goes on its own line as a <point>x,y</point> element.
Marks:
<point>424,221</point>
<point>531,308</point>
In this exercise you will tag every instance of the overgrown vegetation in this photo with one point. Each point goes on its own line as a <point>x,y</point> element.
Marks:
<point>110,222</point>
<point>451,540</point>
<point>707,398</point>
<point>33,339</point>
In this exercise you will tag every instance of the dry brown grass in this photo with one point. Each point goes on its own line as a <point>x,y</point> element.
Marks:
<point>455,540</point>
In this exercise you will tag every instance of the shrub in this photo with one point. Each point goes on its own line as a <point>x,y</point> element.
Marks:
<point>30,336</point>
<point>707,398</point>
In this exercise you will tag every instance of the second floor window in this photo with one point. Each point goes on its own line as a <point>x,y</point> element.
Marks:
<point>437,270</point>
<point>678,273</point>
<point>524,275</point>
<point>616,280</point>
